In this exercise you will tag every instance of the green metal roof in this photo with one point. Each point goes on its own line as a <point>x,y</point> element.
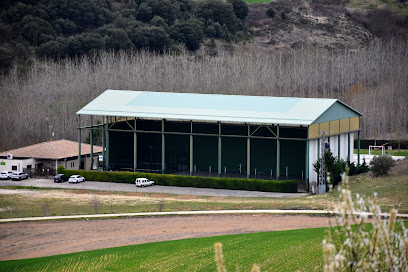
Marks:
<point>210,107</point>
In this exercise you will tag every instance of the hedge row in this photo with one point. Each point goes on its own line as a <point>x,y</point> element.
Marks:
<point>283,186</point>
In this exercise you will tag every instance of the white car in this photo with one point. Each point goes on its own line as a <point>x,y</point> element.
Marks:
<point>6,175</point>
<point>19,176</point>
<point>141,182</point>
<point>76,179</point>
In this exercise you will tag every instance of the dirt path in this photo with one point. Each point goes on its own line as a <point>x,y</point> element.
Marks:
<point>36,239</point>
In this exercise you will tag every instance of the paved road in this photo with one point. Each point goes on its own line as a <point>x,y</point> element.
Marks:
<point>124,187</point>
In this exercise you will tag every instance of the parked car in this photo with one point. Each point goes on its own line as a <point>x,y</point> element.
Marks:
<point>6,175</point>
<point>141,182</point>
<point>60,178</point>
<point>76,179</point>
<point>19,176</point>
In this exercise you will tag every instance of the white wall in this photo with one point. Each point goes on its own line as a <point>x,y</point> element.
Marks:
<point>314,151</point>
<point>21,164</point>
<point>334,145</point>
<point>313,156</point>
<point>343,146</point>
<point>352,147</point>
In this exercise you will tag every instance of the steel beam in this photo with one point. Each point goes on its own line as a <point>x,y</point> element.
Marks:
<point>195,134</point>
<point>249,153</point>
<point>219,150</point>
<point>79,142</point>
<point>277,153</point>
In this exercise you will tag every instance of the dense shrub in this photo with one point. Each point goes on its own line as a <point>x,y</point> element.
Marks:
<point>190,33</point>
<point>220,12</point>
<point>240,8</point>
<point>284,186</point>
<point>381,165</point>
<point>270,12</point>
<point>337,167</point>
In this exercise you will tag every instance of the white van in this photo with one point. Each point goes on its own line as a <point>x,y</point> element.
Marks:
<point>141,182</point>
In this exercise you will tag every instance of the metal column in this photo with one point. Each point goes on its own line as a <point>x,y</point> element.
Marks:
<point>103,145</point>
<point>348,147</point>
<point>79,142</point>
<point>92,158</point>
<point>338,147</point>
<point>191,149</point>
<point>277,153</point>
<point>307,166</point>
<point>249,153</point>
<point>219,149</point>
<point>107,143</point>
<point>163,155</point>
<point>135,148</point>
<point>358,147</point>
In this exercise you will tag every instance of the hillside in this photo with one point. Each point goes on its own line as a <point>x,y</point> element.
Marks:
<point>64,29</point>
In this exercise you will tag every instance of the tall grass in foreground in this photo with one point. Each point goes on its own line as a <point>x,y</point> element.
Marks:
<point>353,245</point>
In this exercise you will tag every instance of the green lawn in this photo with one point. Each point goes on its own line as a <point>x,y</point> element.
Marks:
<point>394,152</point>
<point>392,190</point>
<point>294,250</point>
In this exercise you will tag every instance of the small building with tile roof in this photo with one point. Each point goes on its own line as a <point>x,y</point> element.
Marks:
<point>49,155</point>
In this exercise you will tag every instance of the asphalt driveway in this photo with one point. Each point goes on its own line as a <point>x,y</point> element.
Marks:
<point>125,187</point>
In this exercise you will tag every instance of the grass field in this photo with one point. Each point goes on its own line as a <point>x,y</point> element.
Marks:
<point>403,152</point>
<point>295,250</point>
<point>28,202</point>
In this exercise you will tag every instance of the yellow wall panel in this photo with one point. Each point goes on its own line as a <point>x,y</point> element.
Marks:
<point>335,127</point>
<point>354,123</point>
<point>344,125</point>
<point>324,126</point>
<point>314,131</point>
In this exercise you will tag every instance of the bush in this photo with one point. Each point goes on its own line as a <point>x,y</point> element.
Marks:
<point>240,8</point>
<point>220,12</point>
<point>283,186</point>
<point>336,167</point>
<point>190,33</point>
<point>270,12</point>
<point>381,165</point>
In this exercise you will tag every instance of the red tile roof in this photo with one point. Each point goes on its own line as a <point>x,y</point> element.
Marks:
<point>59,149</point>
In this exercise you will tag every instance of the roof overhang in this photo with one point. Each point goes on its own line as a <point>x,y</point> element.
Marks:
<point>208,107</point>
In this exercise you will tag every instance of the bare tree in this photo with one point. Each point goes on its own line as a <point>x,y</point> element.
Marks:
<point>59,89</point>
